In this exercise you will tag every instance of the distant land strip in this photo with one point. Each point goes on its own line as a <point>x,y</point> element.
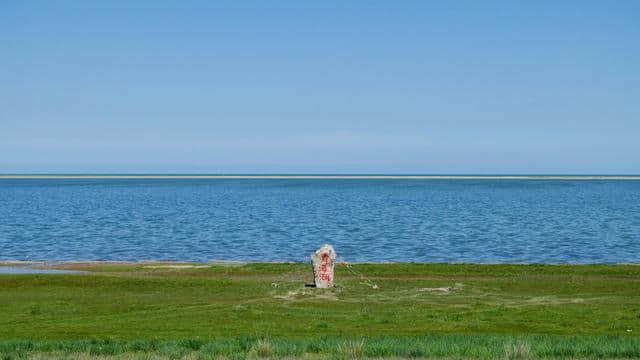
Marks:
<point>327,177</point>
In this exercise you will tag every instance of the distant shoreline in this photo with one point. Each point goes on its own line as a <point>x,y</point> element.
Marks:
<point>318,177</point>
<point>150,262</point>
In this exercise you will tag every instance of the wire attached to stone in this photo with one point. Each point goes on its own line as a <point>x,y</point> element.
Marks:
<point>363,279</point>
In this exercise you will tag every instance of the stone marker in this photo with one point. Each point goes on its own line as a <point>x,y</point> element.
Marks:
<point>322,261</point>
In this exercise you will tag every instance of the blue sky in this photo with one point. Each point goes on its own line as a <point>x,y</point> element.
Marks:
<point>330,86</point>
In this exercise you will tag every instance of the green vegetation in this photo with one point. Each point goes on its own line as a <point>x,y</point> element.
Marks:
<point>447,346</point>
<point>264,310</point>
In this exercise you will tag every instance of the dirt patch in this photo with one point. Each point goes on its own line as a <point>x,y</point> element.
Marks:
<point>552,300</point>
<point>293,295</point>
<point>443,290</point>
<point>440,289</point>
<point>327,296</point>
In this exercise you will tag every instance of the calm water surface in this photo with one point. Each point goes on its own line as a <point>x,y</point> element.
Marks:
<point>366,220</point>
<point>29,270</point>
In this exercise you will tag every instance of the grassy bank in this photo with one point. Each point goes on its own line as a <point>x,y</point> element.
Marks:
<point>447,346</point>
<point>464,310</point>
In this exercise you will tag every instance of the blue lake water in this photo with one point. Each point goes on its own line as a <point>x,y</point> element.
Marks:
<point>30,270</point>
<point>531,221</point>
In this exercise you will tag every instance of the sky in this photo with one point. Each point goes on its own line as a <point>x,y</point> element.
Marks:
<point>416,87</point>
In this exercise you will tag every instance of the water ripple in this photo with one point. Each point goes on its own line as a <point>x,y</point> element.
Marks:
<point>277,220</point>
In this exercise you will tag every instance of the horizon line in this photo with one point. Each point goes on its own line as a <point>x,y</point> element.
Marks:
<point>307,176</point>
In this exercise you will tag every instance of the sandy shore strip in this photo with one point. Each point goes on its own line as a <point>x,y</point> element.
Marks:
<point>324,177</point>
<point>126,262</point>
<point>152,264</point>
<point>190,264</point>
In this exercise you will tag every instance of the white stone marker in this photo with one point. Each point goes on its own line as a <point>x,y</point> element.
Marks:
<point>323,260</point>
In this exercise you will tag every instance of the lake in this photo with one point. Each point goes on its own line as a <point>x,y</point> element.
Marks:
<point>483,221</point>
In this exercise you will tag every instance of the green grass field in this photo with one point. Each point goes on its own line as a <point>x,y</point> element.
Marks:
<point>265,310</point>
